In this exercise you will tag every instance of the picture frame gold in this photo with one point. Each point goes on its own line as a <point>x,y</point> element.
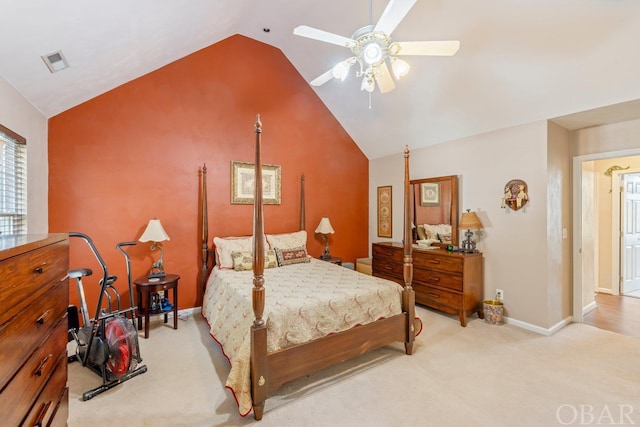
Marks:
<point>430,194</point>
<point>242,178</point>
<point>385,223</point>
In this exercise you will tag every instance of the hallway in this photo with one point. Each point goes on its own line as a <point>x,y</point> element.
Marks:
<point>616,313</point>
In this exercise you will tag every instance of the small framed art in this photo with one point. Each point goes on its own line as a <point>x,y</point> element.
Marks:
<point>384,212</point>
<point>242,178</point>
<point>430,194</point>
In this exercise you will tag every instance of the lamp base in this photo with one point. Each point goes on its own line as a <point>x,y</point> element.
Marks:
<point>158,275</point>
<point>325,257</point>
<point>468,245</point>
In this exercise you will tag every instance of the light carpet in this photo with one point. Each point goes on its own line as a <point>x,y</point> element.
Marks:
<point>481,375</point>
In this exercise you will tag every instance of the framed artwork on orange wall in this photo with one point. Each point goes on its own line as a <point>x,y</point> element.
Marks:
<point>384,212</point>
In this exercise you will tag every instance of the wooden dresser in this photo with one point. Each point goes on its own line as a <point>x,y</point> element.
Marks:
<point>447,281</point>
<point>34,296</point>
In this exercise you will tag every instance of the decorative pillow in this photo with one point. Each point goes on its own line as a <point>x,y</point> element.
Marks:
<point>444,237</point>
<point>243,260</point>
<point>292,255</point>
<point>287,240</point>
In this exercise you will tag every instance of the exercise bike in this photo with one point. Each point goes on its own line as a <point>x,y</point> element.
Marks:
<point>107,343</point>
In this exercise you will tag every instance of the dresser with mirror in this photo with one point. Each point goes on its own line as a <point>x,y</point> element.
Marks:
<point>449,281</point>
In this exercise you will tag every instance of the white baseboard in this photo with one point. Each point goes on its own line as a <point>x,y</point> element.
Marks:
<point>604,291</point>
<point>183,314</point>
<point>589,308</point>
<point>537,329</point>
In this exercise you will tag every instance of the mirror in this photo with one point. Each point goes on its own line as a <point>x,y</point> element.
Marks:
<point>435,203</point>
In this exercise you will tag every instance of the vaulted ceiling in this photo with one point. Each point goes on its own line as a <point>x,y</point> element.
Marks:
<point>519,61</point>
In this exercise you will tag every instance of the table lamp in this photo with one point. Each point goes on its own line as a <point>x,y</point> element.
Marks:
<point>155,233</point>
<point>325,228</point>
<point>470,221</point>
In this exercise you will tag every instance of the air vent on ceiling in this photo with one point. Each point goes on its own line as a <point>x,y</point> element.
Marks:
<point>55,61</point>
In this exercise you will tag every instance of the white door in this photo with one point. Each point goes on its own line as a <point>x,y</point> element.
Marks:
<point>630,235</point>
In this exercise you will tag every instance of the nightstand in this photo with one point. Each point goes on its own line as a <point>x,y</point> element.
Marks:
<point>147,290</point>
<point>334,260</point>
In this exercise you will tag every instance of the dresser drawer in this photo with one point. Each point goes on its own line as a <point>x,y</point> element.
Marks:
<point>53,398</point>
<point>29,275</point>
<point>21,391</point>
<point>23,333</point>
<point>445,263</point>
<point>428,295</point>
<point>438,278</point>
<point>388,253</point>
<point>61,413</point>
<point>383,266</point>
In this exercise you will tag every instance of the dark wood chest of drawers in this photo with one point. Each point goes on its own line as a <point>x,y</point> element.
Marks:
<point>34,296</point>
<point>447,281</point>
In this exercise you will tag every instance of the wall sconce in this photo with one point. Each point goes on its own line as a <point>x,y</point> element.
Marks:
<point>155,233</point>
<point>470,221</point>
<point>325,228</point>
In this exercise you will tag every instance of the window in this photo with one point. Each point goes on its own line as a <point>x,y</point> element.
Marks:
<point>13,182</point>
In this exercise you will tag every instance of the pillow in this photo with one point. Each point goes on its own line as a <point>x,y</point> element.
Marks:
<point>432,231</point>
<point>226,245</point>
<point>290,256</point>
<point>421,234</point>
<point>287,240</point>
<point>243,260</point>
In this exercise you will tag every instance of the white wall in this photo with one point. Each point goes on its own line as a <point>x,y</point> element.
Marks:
<point>17,114</point>
<point>559,285</point>
<point>514,244</point>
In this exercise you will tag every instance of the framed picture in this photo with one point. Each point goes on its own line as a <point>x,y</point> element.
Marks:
<point>384,212</point>
<point>242,178</point>
<point>430,194</point>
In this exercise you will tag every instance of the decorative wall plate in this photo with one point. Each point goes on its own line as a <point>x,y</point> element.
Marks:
<point>515,194</point>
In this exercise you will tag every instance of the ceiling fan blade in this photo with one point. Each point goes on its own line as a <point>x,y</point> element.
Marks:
<point>384,80</point>
<point>322,79</point>
<point>393,14</point>
<point>314,33</point>
<point>434,48</point>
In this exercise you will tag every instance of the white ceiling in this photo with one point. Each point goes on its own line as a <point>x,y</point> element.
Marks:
<point>519,60</point>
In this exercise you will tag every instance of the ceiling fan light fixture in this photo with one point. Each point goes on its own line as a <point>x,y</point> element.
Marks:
<point>399,67</point>
<point>368,81</point>
<point>372,53</point>
<point>341,70</point>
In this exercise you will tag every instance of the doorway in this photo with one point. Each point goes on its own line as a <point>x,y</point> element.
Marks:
<point>590,251</point>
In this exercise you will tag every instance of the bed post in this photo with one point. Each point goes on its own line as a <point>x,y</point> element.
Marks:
<point>302,206</point>
<point>204,242</point>
<point>258,329</point>
<point>408,295</point>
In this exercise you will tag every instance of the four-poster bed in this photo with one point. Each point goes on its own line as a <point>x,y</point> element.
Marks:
<point>270,341</point>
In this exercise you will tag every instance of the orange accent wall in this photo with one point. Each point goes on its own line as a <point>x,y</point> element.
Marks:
<point>134,153</point>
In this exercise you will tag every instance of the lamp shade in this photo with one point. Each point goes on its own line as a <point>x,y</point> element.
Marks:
<point>325,226</point>
<point>470,221</point>
<point>154,232</point>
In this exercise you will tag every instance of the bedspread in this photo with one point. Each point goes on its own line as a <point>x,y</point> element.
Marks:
<point>302,302</point>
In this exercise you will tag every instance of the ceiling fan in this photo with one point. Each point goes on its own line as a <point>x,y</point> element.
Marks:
<point>372,48</point>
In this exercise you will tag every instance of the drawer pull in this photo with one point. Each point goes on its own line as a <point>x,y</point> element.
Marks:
<point>434,295</point>
<point>40,320</point>
<point>43,363</point>
<point>434,279</point>
<point>434,261</point>
<point>43,411</point>
<point>39,270</point>
<point>387,267</point>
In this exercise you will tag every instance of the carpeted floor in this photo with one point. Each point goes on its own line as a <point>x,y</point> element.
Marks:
<point>481,375</point>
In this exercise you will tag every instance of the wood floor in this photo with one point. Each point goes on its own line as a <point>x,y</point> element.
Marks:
<point>616,313</point>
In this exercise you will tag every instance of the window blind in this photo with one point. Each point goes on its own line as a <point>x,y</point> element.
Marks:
<point>13,183</point>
